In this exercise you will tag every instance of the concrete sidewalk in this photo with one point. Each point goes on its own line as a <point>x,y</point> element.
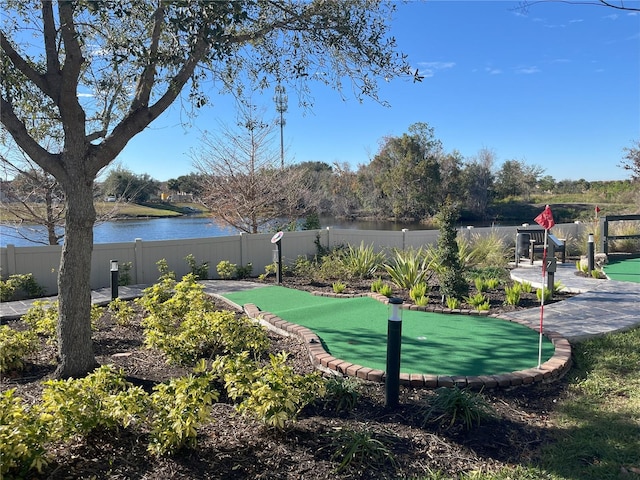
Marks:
<point>602,306</point>
<point>13,310</point>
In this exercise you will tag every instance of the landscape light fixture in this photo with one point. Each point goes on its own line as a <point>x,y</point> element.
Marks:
<point>394,343</point>
<point>114,268</point>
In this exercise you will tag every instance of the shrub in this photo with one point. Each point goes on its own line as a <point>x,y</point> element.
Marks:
<point>526,287</point>
<point>169,301</point>
<point>122,311</point>
<point>42,317</point>
<point>457,404</point>
<point>200,272</point>
<point>202,333</point>
<point>488,250</point>
<point>23,436</point>
<point>450,274</point>
<point>244,272</point>
<point>226,270</point>
<point>124,277</point>
<point>333,266</point>
<point>14,347</point>
<point>20,286</point>
<point>101,399</point>
<point>179,407</point>
<point>272,393</point>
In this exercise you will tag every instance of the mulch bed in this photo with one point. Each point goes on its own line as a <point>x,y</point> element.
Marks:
<point>237,447</point>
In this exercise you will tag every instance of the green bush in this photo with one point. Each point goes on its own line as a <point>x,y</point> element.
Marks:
<point>42,318</point>
<point>169,301</point>
<point>273,393</point>
<point>122,311</point>
<point>204,333</point>
<point>20,286</point>
<point>124,276</point>
<point>14,347</point>
<point>23,437</point>
<point>200,272</point>
<point>101,399</point>
<point>179,407</point>
<point>226,270</point>
<point>333,266</point>
<point>244,272</point>
<point>481,284</point>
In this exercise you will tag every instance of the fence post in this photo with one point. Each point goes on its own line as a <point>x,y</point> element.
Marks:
<point>604,233</point>
<point>138,267</point>
<point>11,260</point>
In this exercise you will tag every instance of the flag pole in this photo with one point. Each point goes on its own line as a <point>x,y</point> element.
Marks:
<point>544,271</point>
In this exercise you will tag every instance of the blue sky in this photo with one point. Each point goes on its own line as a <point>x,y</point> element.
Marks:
<point>557,86</point>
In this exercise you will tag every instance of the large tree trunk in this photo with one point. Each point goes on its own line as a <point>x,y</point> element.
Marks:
<point>75,349</point>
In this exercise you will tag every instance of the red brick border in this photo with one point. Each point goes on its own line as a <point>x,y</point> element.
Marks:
<point>552,369</point>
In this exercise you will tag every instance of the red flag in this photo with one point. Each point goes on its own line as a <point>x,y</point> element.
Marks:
<point>597,209</point>
<point>545,219</point>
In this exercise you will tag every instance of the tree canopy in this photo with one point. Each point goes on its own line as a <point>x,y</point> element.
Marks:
<point>101,71</point>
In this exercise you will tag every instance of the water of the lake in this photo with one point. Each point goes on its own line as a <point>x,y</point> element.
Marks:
<point>172,229</point>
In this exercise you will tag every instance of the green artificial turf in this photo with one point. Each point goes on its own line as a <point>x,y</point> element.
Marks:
<point>624,270</point>
<point>355,330</point>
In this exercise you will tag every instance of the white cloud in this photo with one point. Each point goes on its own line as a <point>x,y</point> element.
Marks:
<point>577,20</point>
<point>527,70</point>
<point>429,69</point>
<point>613,16</point>
<point>493,71</point>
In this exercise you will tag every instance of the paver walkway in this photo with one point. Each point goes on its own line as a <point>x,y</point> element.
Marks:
<point>603,305</point>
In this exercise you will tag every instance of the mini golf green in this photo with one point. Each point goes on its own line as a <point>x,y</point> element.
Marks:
<point>627,270</point>
<point>355,330</point>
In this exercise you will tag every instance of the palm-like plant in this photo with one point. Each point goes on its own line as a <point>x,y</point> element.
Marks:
<point>409,268</point>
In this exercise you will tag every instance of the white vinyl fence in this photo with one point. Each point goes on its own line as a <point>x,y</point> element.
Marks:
<point>257,249</point>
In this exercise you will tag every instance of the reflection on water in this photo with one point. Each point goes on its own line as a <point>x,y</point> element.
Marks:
<point>176,228</point>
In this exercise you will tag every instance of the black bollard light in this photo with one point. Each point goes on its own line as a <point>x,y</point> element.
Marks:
<point>394,343</point>
<point>114,278</point>
<point>590,253</point>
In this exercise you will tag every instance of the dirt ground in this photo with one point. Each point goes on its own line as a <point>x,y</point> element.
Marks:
<point>235,447</point>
